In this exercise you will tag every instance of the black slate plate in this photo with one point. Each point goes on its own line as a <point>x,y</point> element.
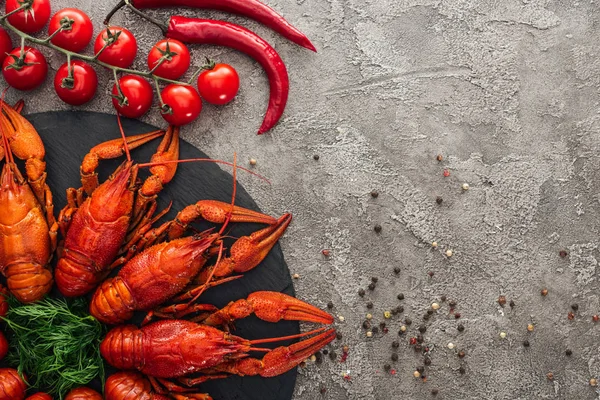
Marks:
<point>68,136</point>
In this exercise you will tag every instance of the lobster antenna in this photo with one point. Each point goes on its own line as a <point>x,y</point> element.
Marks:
<point>212,274</point>
<point>124,138</point>
<point>232,194</point>
<point>190,160</point>
<point>296,336</point>
<point>7,152</point>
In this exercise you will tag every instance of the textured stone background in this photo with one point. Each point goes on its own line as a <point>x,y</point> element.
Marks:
<point>508,92</point>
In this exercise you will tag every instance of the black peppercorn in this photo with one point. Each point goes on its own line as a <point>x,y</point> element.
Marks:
<point>400,309</point>
<point>420,339</point>
<point>366,325</point>
<point>452,303</point>
<point>563,254</point>
<point>319,357</point>
<point>397,270</point>
<point>394,311</point>
<point>375,329</point>
<point>361,292</point>
<point>332,355</point>
<point>430,311</point>
<point>569,352</point>
<point>457,315</point>
<point>427,361</point>
<point>401,332</point>
<point>394,357</point>
<point>443,298</point>
<point>462,370</point>
<point>575,307</point>
<point>371,286</point>
<point>422,329</point>
<point>377,228</point>
<point>418,348</point>
<point>401,296</point>
<point>395,344</point>
<point>439,200</point>
<point>461,354</point>
<point>525,343</point>
<point>434,392</point>
<point>338,336</point>
<point>426,317</point>
<point>512,304</point>
<point>370,305</point>
<point>408,321</point>
<point>325,351</point>
<point>330,305</point>
<point>387,367</point>
<point>374,194</point>
<point>374,279</point>
<point>420,369</point>
<point>460,327</point>
<point>316,157</point>
<point>382,325</point>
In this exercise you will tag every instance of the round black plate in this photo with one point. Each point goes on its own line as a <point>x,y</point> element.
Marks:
<point>68,136</point>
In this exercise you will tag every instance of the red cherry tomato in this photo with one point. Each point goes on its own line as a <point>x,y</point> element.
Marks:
<point>219,85</point>
<point>3,346</point>
<point>80,87</point>
<point>5,44</point>
<point>122,46</point>
<point>79,32</point>
<point>137,96</point>
<point>39,396</point>
<point>176,59</point>
<point>32,18</point>
<point>182,104</point>
<point>26,74</point>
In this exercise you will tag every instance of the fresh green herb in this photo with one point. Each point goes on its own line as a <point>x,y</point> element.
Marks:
<point>55,343</point>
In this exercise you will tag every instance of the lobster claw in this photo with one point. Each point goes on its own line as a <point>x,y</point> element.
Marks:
<point>216,212</point>
<point>270,307</point>
<point>282,359</point>
<point>248,251</point>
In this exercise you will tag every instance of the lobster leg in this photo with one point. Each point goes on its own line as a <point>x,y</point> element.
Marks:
<point>270,307</point>
<point>216,212</point>
<point>279,360</point>
<point>108,150</point>
<point>248,251</point>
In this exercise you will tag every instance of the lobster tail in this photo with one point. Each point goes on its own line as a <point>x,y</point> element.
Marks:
<point>76,277</point>
<point>122,347</point>
<point>129,386</point>
<point>28,282</point>
<point>112,302</point>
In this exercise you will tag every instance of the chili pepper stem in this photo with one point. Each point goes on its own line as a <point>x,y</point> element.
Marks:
<point>163,27</point>
<point>112,12</point>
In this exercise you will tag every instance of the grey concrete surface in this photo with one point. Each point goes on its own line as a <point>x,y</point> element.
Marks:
<point>508,92</point>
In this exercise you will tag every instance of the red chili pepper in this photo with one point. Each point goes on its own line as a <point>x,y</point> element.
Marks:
<point>207,31</point>
<point>250,8</point>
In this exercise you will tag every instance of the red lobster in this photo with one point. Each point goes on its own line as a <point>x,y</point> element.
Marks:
<point>173,349</point>
<point>107,224</point>
<point>133,386</point>
<point>28,230</point>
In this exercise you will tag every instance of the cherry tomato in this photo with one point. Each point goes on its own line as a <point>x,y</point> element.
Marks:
<point>79,32</point>
<point>182,104</point>
<point>80,87</point>
<point>31,19</point>
<point>176,59</point>
<point>137,96</point>
<point>5,44</point>
<point>3,345</point>
<point>39,396</point>
<point>219,85</point>
<point>26,74</point>
<point>122,48</point>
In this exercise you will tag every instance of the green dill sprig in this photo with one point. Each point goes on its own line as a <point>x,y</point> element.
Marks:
<point>55,343</point>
